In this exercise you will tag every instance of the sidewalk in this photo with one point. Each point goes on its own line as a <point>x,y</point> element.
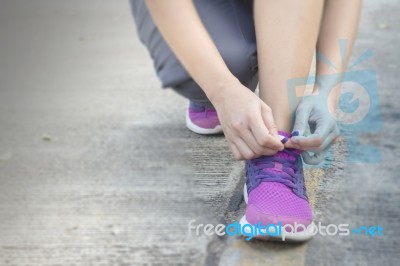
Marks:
<point>97,167</point>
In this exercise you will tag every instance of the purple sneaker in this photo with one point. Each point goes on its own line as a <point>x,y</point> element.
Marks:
<point>275,193</point>
<point>202,120</point>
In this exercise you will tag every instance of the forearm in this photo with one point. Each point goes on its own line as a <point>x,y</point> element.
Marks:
<point>181,27</point>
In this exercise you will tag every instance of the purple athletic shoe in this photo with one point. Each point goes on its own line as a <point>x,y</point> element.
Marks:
<point>202,119</point>
<point>275,193</point>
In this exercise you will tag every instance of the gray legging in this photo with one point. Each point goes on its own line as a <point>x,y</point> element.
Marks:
<point>230,25</point>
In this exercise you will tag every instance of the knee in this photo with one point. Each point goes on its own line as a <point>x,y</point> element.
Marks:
<point>241,61</point>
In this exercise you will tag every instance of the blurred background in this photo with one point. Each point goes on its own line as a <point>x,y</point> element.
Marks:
<point>98,168</point>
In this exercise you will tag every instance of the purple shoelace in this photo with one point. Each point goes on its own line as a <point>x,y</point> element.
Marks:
<point>263,169</point>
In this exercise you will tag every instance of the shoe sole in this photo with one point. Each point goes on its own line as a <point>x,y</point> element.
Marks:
<point>202,131</point>
<point>289,237</point>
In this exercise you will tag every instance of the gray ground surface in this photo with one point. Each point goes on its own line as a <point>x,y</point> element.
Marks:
<point>97,167</point>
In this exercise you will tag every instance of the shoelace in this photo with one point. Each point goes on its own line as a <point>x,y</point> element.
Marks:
<point>290,173</point>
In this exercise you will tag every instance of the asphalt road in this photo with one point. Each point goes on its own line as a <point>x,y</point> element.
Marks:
<point>97,167</point>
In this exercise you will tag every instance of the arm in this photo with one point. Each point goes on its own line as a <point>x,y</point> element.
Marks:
<point>181,27</point>
<point>340,21</point>
<point>247,121</point>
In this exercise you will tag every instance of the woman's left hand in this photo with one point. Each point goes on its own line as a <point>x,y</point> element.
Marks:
<point>313,111</point>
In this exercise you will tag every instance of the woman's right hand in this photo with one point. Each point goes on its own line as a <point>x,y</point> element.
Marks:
<point>247,122</point>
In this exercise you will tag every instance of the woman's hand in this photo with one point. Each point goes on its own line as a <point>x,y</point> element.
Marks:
<point>313,111</point>
<point>247,122</point>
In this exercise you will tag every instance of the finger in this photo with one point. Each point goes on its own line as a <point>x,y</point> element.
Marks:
<point>301,120</point>
<point>235,151</point>
<point>329,140</point>
<point>261,150</point>
<point>252,143</point>
<point>244,149</point>
<point>317,138</point>
<point>266,114</point>
<point>305,143</point>
<point>315,159</point>
<point>324,127</point>
<point>261,135</point>
<point>320,152</point>
<point>292,145</point>
<point>325,145</point>
<point>256,148</point>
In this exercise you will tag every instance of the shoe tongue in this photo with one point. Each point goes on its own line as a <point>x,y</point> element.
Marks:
<point>284,155</point>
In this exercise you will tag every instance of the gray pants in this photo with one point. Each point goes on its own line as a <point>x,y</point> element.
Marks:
<point>230,25</point>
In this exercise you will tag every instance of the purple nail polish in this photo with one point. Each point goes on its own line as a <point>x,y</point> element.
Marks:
<point>295,133</point>
<point>284,140</point>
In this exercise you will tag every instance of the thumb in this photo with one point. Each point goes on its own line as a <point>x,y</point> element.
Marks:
<point>301,120</point>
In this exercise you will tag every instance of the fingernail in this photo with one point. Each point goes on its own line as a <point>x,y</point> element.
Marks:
<point>295,133</point>
<point>284,140</point>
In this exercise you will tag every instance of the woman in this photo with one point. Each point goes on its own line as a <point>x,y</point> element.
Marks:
<point>215,52</point>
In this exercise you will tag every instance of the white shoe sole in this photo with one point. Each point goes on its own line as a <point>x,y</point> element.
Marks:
<point>199,130</point>
<point>289,237</point>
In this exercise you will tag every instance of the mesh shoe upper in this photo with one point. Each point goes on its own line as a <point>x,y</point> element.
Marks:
<point>276,189</point>
<point>203,116</point>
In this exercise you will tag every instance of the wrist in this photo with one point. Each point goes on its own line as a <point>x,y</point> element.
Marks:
<point>329,87</point>
<point>218,89</point>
